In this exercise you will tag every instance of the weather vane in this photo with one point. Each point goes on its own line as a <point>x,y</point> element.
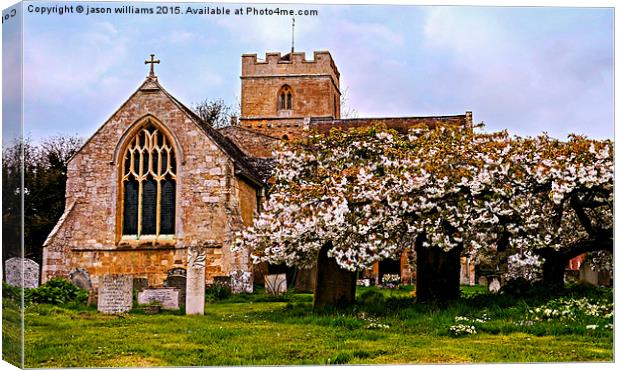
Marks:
<point>293,43</point>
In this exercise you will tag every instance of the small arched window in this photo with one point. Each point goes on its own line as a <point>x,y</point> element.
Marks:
<point>285,98</point>
<point>148,185</point>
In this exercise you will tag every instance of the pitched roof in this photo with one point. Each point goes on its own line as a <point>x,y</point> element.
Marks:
<point>243,167</point>
<point>252,143</point>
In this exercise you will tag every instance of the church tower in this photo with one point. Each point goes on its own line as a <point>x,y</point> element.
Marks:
<point>280,93</point>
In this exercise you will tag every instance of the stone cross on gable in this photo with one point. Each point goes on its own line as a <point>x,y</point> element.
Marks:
<point>152,62</point>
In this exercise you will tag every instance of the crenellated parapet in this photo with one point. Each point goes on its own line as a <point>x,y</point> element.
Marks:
<point>288,87</point>
<point>289,64</point>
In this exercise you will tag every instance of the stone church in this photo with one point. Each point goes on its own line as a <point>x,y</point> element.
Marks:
<point>155,181</point>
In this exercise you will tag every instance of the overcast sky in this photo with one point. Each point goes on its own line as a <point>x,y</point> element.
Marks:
<point>527,70</point>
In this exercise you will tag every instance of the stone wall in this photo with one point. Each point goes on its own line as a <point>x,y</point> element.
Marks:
<point>207,199</point>
<point>312,96</point>
<point>248,202</point>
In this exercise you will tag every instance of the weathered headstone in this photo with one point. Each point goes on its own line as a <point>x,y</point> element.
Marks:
<point>177,278</point>
<point>21,272</point>
<point>80,278</point>
<point>464,278</point>
<point>115,295</point>
<point>275,284</point>
<point>494,285</point>
<point>195,291</point>
<point>140,283</point>
<point>168,297</point>
<point>482,280</point>
<point>241,282</point>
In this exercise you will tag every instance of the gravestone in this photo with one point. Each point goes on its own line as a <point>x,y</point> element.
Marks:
<point>115,294</point>
<point>168,297</point>
<point>177,278</point>
<point>275,284</point>
<point>241,282</point>
<point>21,272</point>
<point>140,283</point>
<point>80,278</point>
<point>483,281</point>
<point>195,288</point>
<point>464,279</point>
<point>494,285</point>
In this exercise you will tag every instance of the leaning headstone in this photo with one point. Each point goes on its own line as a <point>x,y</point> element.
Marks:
<point>241,282</point>
<point>482,280</point>
<point>168,297</point>
<point>80,278</point>
<point>275,284</point>
<point>195,291</point>
<point>21,272</point>
<point>494,286</point>
<point>140,283</point>
<point>115,294</point>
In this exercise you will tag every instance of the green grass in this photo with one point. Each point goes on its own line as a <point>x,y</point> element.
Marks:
<point>11,332</point>
<point>255,329</point>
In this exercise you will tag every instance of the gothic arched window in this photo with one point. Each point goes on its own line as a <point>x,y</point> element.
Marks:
<point>148,184</point>
<point>285,98</point>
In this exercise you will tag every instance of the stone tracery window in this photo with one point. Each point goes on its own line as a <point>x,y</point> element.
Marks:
<point>285,98</point>
<point>148,185</point>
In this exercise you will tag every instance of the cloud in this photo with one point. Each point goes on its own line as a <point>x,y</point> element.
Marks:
<point>525,72</point>
<point>263,32</point>
<point>58,66</point>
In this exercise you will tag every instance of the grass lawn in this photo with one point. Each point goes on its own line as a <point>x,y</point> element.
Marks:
<point>386,327</point>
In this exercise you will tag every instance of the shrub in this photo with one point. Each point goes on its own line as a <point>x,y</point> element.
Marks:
<point>218,292</point>
<point>11,292</point>
<point>521,287</point>
<point>57,291</point>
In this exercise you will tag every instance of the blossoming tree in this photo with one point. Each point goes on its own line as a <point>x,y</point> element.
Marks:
<point>356,197</point>
<point>560,202</point>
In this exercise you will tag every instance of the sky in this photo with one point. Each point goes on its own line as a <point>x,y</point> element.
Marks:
<point>527,70</point>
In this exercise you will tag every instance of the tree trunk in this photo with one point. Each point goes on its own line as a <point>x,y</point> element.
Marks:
<point>553,269</point>
<point>555,261</point>
<point>334,285</point>
<point>438,273</point>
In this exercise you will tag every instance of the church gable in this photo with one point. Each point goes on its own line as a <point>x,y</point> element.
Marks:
<point>153,181</point>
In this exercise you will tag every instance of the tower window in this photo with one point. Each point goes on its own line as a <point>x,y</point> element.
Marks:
<point>285,98</point>
<point>148,185</point>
